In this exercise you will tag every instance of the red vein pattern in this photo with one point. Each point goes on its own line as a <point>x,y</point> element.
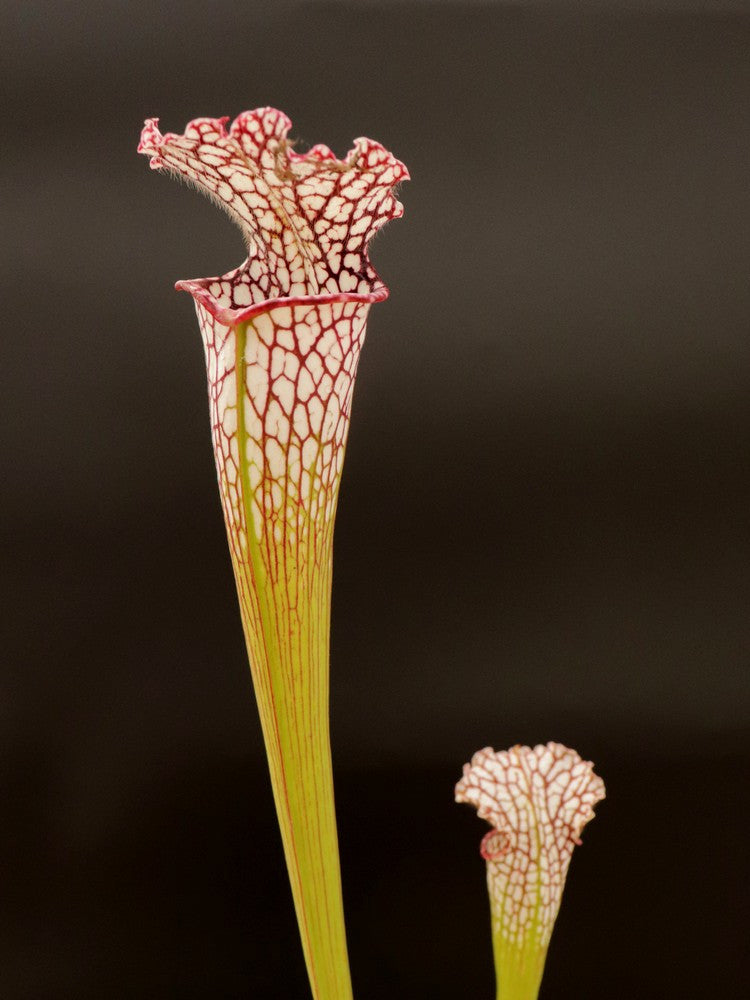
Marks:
<point>303,292</point>
<point>307,219</point>
<point>282,336</point>
<point>299,365</point>
<point>537,801</point>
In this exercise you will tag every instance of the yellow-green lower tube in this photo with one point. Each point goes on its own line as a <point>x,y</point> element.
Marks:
<point>282,562</point>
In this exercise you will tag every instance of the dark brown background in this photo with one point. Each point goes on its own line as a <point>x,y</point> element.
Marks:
<point>543,526</point>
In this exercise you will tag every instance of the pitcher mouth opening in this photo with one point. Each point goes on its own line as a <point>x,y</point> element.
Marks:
<point>215,294</point>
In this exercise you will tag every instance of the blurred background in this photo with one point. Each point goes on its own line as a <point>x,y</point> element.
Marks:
<point>542,530</point>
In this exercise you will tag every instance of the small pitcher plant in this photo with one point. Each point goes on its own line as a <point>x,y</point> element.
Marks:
<point>282,336</point>
<point>537,802</point>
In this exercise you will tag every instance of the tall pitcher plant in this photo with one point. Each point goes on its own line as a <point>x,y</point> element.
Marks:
<point>282,336</point>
